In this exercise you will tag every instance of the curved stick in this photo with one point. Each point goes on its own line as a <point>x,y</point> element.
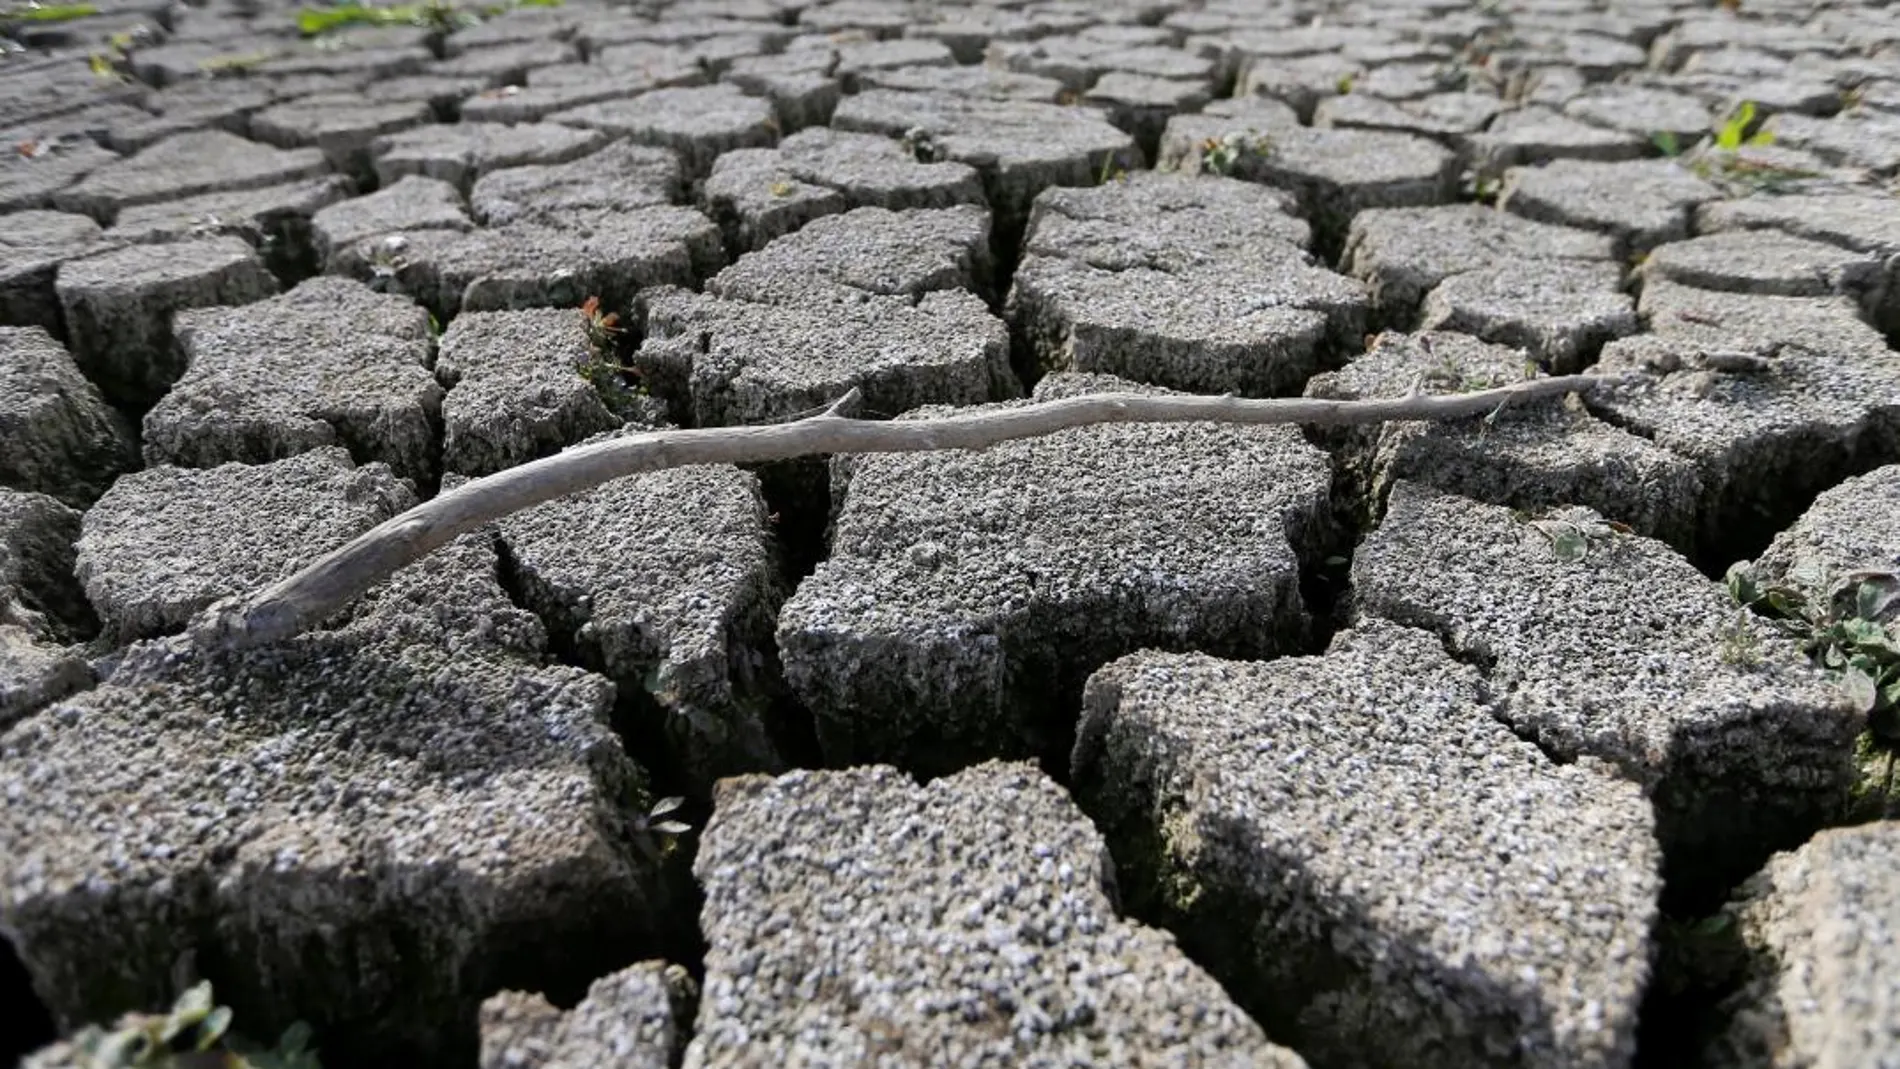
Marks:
<point>324,586</point>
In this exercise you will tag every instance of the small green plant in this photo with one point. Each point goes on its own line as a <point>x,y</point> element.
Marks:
<point>386,261</point>
<point>1720,157</point>
<point>657,831</point>
<point>1224,155</point>
<point>39,13</point>
<point>1848,624</point>
<point>1344,85</point>
<point>1570,533</point>
<point>1734,131</point>
<point>433,14</point>
<point>602,368</point>
<point>110,65</point>
<point>1449,373</point>
<point>194,1035</point>
<point>922,145</point>
<point>1483,188</point>
<point>1112,170</point>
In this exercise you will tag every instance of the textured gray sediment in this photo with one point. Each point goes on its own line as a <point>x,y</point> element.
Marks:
<point>1418,742</point>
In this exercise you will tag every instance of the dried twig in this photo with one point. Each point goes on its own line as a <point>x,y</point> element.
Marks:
<point>326,585</point>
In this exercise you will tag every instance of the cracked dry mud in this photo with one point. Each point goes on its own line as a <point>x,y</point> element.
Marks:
<point>1137,745</point>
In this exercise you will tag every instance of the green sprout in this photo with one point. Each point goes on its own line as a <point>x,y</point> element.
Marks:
<point>35,12</point>
<point>1733,133</point>
<point>602,367</point>
<point>1224,155</point>
<point>433,14</point>
<point>195,1033</point>
<point>1719,158</point>
<point>1848,624</point>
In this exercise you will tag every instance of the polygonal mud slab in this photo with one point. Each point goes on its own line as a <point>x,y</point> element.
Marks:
<point>978,81</point>
<point>724,362</point>
<point>621,177</point>
<point>33,244</point>
<point>1113,225</point>
<point>1402,253</point>
<point>460,153</point>
<point>542,261</point>
<point>57,434</point>
<point>1019,147</point>
<point>341,126</point>
<point>968,594</point>
<point>412,202</point>
<point>1644,112</point>
<point>1082,65</point>
<point>119,305</point>
<point>37,591</point>
<point>666,583</point>
<point>515,388</point>
<point>1766,432</point>
<point>203,161</point>
<point>801,97</point>
<point>1857,137</point>
<point>637,1018</point>
<point>1142,104</point>
<point>1527,456</point>
<point>31,179</point>
<point>1449,118</point>
<point>697,122</point>
<point>509,63</point>
<point>1609,645</point>
<point>1766,262</point>
<point>1335,173</point>
<point>1301,82</point>
<point>855,914</point>
<point>370,828</point>
<point>1775,263</point>
<point>1561,312</point>
<point>329,363</point>
<point>760,194</point>
<point>1639,203</point>
<point>1388,873</point>
<point>558,88</point>
<point>1817,924</point>
<point>1219,298</point>
<point>166,542</point>
<point>1851,526</point>
<point>275,220</point>
<point>513,26</point>
<point>1766,325</point>
<point>866,251</point>
<point>1858,221</point>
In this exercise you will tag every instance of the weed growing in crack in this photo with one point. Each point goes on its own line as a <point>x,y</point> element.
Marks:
<point>656,832</point>
<point>1848,624</point>
<point>1721,159</point>
<point>385,261</point>
<point>1225,154</point>
<point>602,367</point>
<point>923,146</point>
<point>432,14</point>
<point>194,1035</point>
<point>14,14</point>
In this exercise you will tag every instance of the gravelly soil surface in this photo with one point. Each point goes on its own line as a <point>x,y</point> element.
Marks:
<point>1414,745</point>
